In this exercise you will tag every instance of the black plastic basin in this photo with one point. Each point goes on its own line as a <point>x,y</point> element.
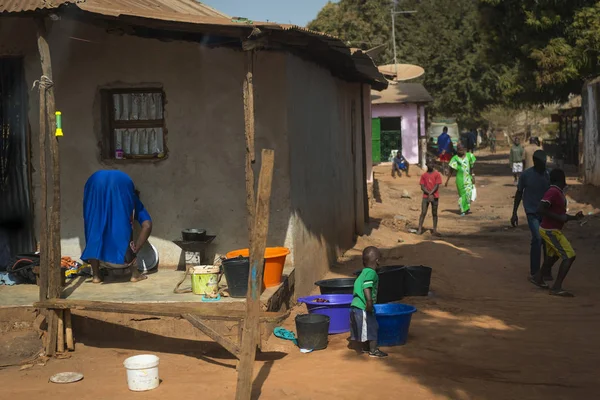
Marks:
<point>336,286</point>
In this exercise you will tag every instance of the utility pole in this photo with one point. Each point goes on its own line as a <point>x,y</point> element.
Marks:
<point>394,13</point>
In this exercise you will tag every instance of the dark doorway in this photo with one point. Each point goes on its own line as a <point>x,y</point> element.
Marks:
<point>391,137</point>
<point>16,215</point>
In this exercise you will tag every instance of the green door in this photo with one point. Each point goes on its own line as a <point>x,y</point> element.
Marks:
<point>376,140</point>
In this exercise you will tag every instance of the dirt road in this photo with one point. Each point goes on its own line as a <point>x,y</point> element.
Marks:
<point>485,333</point>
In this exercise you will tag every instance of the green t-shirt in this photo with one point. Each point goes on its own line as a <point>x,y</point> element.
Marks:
<point>516,154</point>
<point>368,278</point>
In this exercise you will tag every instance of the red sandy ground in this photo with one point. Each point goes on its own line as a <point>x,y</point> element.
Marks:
<point>485,333</point>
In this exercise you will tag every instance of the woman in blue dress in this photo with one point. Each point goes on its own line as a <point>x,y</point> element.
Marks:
<point>110,205</point>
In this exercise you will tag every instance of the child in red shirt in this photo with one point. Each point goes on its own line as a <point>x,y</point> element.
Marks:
<point>553,209</point>
<point>430,185</point>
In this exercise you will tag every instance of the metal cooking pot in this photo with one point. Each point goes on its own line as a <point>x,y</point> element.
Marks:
<point>193,235</point>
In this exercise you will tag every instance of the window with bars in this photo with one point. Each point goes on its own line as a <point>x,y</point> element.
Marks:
<point>133,124</point>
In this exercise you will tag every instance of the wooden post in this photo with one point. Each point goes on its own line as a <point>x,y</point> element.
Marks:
<point>257,251</point>
<point>69,330</point>
<point>53,244</point>
<point>249,133</point>
<point>60,341</point>
<point>43,200</point>
<point>422,139</point>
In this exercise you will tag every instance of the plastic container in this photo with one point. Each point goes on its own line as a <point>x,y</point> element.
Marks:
<point>205,280</point>
<point>236,272</point>
<point>312,331</point>
<point>274,262</point>
<point>142,372</point>
<point>391,284</point>
<point>417,281</point>
<point>336,286</point>
<point>338,310</point>
<point>394,323</point>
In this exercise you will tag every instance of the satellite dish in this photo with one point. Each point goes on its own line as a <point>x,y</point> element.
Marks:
<point>405,72</point>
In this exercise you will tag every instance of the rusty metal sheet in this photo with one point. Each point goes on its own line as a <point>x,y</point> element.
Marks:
<point>145,8</point>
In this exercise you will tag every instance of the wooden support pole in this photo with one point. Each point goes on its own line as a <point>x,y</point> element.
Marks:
<point>249,133</point>
<point>257,252</point>
<point>48,108</point>
<point>60,340</point>
<point>69,330</point>
<point>44,264</point>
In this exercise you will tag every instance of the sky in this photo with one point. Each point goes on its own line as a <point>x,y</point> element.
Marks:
<point>297,12</point>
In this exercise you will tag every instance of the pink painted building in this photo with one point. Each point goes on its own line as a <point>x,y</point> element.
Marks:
<point>398,120</point>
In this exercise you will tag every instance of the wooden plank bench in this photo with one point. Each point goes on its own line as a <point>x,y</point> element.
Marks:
<point>196,313</point>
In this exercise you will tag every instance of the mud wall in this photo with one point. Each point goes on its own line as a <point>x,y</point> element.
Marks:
<point>325,159</point>
<point>591,136</point>
<point>201,182</point>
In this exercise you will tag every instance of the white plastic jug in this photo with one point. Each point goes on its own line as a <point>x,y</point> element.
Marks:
<point>142,372</point>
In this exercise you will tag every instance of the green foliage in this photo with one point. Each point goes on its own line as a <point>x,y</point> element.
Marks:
<point>443,37</point>
<point>548,47</point>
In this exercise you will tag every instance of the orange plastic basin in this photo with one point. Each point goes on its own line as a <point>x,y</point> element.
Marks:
<point>274,261</point>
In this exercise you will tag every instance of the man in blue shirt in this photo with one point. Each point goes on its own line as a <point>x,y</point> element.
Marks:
<point>110,206</point>
<point>532,186</point>
<point>445,149</point>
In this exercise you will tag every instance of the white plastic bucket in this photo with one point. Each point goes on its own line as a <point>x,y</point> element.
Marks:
<point>142,372</point>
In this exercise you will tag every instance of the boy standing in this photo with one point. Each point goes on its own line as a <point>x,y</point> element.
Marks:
<point>430,185</point>
<point>363,323</point>
<point>553,209</point>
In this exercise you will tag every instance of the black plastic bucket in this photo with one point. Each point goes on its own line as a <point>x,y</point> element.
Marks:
<point>417,280</point>
<point>236,272</point>
<point>391,284</point>
<point>336,286</point>
<point>312,331</point>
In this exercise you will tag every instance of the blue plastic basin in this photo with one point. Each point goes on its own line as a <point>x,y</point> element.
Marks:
<point>338,310</point>
<point>394,322</point>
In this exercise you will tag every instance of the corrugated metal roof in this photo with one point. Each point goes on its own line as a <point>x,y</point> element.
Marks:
<point>146,8</point>
<point>402,92</point>
<point>192,16</point>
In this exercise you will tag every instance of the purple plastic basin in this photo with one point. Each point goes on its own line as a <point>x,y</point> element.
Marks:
<point>338,310</point>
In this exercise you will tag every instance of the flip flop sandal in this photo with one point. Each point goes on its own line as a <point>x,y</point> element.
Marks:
<point>543,285</point>
<point>561,293</point>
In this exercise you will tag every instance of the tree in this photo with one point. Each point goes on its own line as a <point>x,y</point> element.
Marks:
<point>443,37</point>
<point>547,48</point>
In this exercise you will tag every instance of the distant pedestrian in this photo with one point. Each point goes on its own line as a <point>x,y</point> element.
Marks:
<point>445,149</point>
<point>399,164</point>
<point>531,189</point>
<point>516,159</point>
<point>492,140</point>
<point>430,185</point>
<point>364,327</point>
<point>463,163</point>
<point>532,147</point>
<point>471,141</point>
<point>553,209</point>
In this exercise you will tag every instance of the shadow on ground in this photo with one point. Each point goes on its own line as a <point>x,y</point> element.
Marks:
<point>485,332</point>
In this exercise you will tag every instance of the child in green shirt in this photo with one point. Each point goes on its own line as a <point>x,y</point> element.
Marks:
<point>363,323</point>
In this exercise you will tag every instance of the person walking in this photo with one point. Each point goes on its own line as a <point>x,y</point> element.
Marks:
<point>533,184</point>
<point>529,150</point>
<point>471,141</point>
<point>463,163</point>
<point>492,140</point>
<point>445,149</point>
<point>516,159</point>
<point>553,209</point>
